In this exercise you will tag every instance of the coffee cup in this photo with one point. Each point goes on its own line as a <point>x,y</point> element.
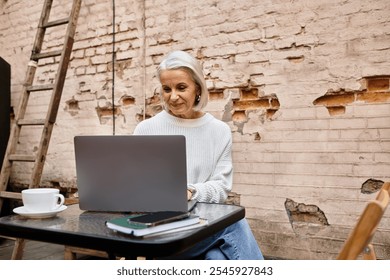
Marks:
<point>42,199</point>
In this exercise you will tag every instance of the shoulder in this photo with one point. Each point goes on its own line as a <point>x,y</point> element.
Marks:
<point>217,131</point>
<point>148,124</point>
<point>218,124</point>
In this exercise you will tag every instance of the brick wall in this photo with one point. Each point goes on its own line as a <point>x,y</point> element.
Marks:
<point>304,86</point>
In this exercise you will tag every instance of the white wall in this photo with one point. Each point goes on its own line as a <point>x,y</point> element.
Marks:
<point>288,53</point>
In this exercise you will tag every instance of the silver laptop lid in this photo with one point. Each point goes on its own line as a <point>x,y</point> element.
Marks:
<point>132,173</point>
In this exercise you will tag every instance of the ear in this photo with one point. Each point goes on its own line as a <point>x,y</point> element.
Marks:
<point>198,89</point>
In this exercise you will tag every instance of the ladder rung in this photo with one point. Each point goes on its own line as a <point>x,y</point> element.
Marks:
<point>22,158</point>
<point>14,195</point>
<point>31,122</point>
<point>40,88</point>
<point>8,237</point>
<point>56,22</point>
<point>37,56</point>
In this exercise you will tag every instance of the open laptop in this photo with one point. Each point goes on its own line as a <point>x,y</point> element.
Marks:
<point>132,173</point>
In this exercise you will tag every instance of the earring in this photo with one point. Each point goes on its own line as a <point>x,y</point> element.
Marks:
<point>197,98</point>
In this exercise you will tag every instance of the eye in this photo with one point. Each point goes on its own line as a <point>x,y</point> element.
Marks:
<point>166,89</point>
<point>181,87</point>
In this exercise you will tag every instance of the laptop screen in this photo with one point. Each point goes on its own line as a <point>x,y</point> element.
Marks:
<point>131,173</point>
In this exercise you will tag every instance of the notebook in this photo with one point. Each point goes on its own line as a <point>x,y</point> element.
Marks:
<point>131,173</point>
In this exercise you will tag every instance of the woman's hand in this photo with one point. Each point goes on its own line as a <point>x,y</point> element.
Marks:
<point>189,194</point>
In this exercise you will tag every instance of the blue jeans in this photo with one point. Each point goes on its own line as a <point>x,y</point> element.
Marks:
<point>236,242</point>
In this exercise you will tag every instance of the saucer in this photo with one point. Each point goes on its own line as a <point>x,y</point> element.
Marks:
<point>38,215</point>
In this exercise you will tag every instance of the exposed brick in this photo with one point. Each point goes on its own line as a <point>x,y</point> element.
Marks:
<point>371,97</point>
<point>216,94</point>
<point>239,116</point>
<point>377,91</point>
<point>378,84</point>
<point>107,111</point>
<point>127,100</point>
<point>335,98</point>
<point>249,94</point>
<point>250,104</point>
<point>336,110</point>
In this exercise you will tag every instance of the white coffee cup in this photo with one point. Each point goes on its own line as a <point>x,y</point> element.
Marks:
<point>42,199</point>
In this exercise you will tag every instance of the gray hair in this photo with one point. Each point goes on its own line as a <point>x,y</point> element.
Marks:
<point>182,60</point>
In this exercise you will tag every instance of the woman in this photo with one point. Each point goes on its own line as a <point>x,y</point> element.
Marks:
<point>208,141</point>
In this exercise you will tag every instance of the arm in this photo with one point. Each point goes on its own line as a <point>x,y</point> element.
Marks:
<point>219,184</point>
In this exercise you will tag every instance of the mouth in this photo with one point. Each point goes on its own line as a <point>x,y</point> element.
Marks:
<point>175,105</point>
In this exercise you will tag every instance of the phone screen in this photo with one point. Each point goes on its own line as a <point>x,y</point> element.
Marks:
<point>158,218</point>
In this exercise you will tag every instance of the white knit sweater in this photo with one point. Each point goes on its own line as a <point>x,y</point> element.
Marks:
<point>208,144</point>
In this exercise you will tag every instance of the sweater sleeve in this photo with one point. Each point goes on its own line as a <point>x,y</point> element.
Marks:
<point>217,187</point>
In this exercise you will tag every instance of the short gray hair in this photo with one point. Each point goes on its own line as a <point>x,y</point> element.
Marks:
<point>182,60</point>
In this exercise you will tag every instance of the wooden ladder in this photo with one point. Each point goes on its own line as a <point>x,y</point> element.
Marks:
<point>47,124</point>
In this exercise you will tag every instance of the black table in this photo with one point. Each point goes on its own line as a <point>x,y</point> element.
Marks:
<point>77,228</point>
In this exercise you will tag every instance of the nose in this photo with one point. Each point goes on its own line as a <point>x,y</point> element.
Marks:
<point>174,95</point>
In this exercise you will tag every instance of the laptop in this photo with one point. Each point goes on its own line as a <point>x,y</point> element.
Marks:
<point>131,173</point>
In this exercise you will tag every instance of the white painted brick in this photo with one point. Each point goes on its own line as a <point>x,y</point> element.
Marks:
<point>303,153</point>
<point>382,157</point>
<point>90,70</point>
<point>381,122</point>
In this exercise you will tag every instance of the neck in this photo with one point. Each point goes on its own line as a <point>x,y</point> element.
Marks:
<point>190,115</point>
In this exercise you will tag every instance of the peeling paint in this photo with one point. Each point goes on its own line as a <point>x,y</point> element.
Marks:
<point>250,102</point>
<point>300,212</point>
<point>72,107</point>
<point>127,100</point>
<point>377,91</point>
<point>371,186</point>
<point>105,113</point>
<point>153,106</point>
<point>227,113</point>
<point>121,66</point>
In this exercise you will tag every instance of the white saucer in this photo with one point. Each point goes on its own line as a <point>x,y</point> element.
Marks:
<point>38,215</point>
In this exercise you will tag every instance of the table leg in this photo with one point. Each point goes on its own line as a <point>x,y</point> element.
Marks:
<point>17,253</point>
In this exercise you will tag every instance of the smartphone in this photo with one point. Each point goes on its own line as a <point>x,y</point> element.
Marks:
<point>158,218</point>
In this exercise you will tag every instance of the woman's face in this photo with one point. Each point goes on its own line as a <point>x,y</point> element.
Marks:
<point>179,93</point>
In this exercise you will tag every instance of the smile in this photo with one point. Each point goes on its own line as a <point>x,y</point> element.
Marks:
<point>175,104</point>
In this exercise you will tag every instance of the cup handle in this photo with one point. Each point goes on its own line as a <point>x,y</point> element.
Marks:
<point>62,200</point>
